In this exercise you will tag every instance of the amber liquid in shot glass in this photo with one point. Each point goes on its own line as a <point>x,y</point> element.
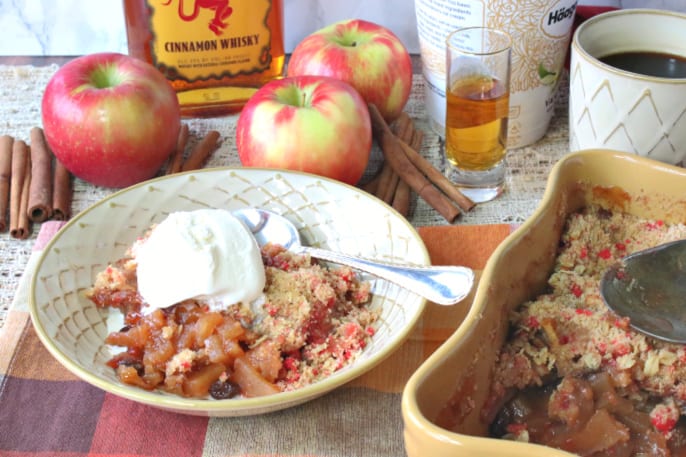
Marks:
<point>477,108</point>
<point>476,122</point>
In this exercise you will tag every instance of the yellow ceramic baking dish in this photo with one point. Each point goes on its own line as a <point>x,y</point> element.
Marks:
<point>443,399</point>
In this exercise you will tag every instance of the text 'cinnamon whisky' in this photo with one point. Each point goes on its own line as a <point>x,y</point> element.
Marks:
<point>215,53</point>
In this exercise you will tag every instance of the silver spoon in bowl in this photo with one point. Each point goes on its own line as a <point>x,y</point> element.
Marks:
<point>649,287</point>
<point>444,285</point>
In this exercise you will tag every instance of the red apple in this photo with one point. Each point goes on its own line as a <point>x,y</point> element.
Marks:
<point>368,56</point>
<point>315,124</point>
<point>112,120</point>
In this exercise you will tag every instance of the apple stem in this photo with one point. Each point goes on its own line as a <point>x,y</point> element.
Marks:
<point>106,76</point>
<point>349,40</point>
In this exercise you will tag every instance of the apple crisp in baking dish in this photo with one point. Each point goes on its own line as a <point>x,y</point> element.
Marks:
<point>572,374</point>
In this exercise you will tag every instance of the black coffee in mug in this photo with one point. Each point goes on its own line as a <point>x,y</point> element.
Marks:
<point>648,63</point>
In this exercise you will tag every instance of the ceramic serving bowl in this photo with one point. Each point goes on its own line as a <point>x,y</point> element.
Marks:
<point>616,109</point>
<point>443,399</point>
<point>327,213</point>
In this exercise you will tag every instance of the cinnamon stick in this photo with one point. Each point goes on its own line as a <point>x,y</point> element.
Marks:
<point>417,140</point>
<point>405,131</point>
<point>385,184</point>
<point>391,147</point>
<point>23,230</point>
<point>393,182</point>
<point>388,179</point>
<point>372,185</point>
<point>6,142</point>
<point>62,193</point>
<point>176,159</point>
<point>437,178</point>
<point>401,199</point>
<point>202,151</point>
<point>18,196</point>
<point>404,127</point>
<point>40,192</point>
<point>434,175</point>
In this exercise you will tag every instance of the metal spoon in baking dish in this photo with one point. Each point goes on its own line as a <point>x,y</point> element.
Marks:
<point>649,287</point>
<point>444,285</point>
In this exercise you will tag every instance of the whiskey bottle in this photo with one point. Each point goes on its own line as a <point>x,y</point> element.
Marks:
<point>215,53</point>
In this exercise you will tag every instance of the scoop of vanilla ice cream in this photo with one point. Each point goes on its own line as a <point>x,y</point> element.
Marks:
<point>208,254</point>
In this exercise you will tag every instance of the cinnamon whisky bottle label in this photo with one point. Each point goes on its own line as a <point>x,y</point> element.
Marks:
<point>198,40</point>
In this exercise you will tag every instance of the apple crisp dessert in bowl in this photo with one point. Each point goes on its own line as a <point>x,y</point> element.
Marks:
<point>310,321</point>
<point>103,347</point>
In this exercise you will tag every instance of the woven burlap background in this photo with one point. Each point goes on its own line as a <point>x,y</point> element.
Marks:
<point>21,90</point>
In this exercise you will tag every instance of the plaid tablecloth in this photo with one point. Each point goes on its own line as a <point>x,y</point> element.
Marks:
<point>46,411</point>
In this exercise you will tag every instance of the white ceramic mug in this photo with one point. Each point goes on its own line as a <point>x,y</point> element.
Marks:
<point>617,109</point>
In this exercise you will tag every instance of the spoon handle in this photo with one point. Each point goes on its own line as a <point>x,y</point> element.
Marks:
<point>444,285</point>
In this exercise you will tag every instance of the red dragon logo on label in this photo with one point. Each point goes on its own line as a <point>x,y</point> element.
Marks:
<point>221,9</point>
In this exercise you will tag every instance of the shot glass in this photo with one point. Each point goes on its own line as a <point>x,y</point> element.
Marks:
<point>478,99</point>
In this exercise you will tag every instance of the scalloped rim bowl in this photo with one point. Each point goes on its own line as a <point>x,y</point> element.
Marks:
<point>459,372</point>
<point>328,214</point>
